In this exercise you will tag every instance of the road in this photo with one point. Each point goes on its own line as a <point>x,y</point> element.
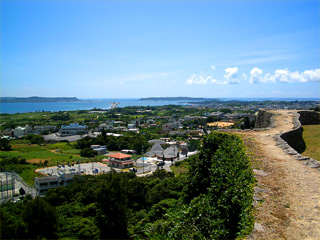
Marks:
<point>289,205</point>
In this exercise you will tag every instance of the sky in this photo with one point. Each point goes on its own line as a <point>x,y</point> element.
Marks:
<point>133,49</point>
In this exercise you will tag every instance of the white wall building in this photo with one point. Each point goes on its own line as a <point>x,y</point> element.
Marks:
<point>73,129</point>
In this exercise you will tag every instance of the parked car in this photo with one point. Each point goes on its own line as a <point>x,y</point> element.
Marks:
<point>159,164</point>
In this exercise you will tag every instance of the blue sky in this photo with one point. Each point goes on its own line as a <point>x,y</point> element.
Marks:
<point>125,49</point>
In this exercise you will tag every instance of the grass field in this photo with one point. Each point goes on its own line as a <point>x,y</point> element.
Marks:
<point>311,136</point>
<point>181,169</point>
<point>55,154</point>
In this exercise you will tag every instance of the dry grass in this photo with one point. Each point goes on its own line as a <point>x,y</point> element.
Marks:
<point>37,160</point>
<point>221,124</point>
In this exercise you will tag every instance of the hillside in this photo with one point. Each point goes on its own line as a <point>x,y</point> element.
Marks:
<point>38,99</point>
<point>171,99</point>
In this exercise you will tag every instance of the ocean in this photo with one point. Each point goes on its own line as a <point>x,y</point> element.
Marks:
<point>88,104</point>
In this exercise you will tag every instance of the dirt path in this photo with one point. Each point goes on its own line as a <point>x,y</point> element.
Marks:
<point>288,202</point>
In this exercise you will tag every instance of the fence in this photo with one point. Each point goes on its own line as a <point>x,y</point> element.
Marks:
<point>10,183</point>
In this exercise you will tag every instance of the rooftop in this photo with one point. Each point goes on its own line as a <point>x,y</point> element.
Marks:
<point>120,155</point>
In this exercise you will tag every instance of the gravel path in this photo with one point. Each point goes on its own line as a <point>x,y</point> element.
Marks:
<point>287,198</point>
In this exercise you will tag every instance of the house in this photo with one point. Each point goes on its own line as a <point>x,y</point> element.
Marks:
<point>120,160</point>
<point>43,184</point>
<point>170,153</point>
<point>155,151</point>
<point>167,127</point>
<point>108,126</point>
<point>73,129</point>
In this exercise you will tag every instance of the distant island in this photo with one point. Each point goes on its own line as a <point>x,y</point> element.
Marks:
<point>38,99</point>
<point>173,99</point>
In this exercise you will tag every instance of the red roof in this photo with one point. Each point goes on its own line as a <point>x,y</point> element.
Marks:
<point>120,155</point>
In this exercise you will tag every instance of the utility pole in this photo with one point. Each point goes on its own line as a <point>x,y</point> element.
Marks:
<point>92,166</point>
<point>1,187</point>
<point>142,159</point>
<point>7,183</point>
<point>174,151</point>
<point>13,188</point>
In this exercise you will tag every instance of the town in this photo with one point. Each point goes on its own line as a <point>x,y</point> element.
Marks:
<point>144,162</point>
<point>136,139</point>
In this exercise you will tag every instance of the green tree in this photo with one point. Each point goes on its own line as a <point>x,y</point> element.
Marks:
<point>112,202</point>
<point>88,152</point>
<point>22,192</point>
<point>40,218</point>
<point>222,174</point>
<point>5,145</point>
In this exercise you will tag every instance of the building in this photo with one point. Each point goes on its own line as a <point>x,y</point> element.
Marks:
<point>41,129</point>
<point>129,151</point>
<point>99,149</point>
<point>170,153</point>
<point>21,131</point>
<point>73,129</point>
<point>120,160</point>
<point>184,149</point>
<point>155,151</point>
<point>167,127</point>
<point>43,184</point>
<point>131,126</point>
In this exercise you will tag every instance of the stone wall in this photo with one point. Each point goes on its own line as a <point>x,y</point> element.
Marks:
<point>292,142</point>
<point>294,137</point>
<point>309,117</point>
<point>264,119</point>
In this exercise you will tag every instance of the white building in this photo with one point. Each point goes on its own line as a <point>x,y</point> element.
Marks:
<point>21,131</point>
<point>43,184</point>
<point>73,129</point>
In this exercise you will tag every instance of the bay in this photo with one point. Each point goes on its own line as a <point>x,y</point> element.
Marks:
<point>88,104</point>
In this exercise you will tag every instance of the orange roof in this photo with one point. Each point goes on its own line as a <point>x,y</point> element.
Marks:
<point>120,155</point>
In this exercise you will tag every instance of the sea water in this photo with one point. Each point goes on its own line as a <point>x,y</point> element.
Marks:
<point>85,104</point>
<point>88,104</point>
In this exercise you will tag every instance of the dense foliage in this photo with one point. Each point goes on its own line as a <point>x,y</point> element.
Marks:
<point>17,164</point>
<point>133,141</point>
<point>5,145</point>
<point>212,201</point>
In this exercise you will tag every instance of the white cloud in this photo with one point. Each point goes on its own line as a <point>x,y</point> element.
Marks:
<point>284,76</point>
<point>311,76</point>
<point>194,79</point>
<point>230,77</point>
<point>256,75</point>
